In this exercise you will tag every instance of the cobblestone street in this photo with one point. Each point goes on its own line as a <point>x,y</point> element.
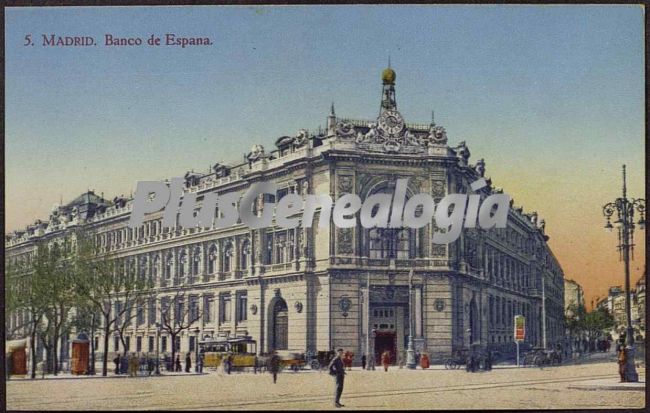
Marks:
<point>511,388</point>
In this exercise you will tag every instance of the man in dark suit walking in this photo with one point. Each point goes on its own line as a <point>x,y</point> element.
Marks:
<point>337,369</point>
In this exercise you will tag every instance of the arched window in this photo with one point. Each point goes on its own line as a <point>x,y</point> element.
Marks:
<point>154,268</point>
<point>196,261</point>
<point>245,254</point>
<point>182,263</point>
<point>212,259</point>
<point>169,263</point>
<point>143,268</point>
<point>227,258</point>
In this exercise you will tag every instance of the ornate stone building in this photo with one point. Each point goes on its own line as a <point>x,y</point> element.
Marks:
<point>323,288</point>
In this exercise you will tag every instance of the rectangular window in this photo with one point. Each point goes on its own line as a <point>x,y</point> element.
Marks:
<point>152,312</point>
<point>140,314</point>
<point>194,308</point>
<point>224,308</point>
<point>116,343</point>
<point>138,344</point>
<point>207,308</point>
<point>242,305</point>
<point>179,315</point>
<point>118,313</point>
<point>269,249</point>
<point>96,343</point>
<point>192,338</point>
<point>127,341</point>
<point>178,343</point>
<point>163,344</point>
<point>151,344</point>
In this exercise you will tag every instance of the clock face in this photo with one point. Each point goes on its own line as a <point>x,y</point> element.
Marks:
<point>391,122</point>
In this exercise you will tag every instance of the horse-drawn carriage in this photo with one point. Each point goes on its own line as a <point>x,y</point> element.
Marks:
<point>319,360</point>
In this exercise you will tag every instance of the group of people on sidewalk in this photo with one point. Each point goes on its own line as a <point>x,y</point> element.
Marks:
<point>131,364</point>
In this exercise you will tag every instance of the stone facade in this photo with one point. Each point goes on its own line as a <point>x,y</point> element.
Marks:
<point>337,287</point>
<point>573,294</point>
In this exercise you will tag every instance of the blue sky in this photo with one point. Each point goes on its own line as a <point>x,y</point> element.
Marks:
<point>551,96</point>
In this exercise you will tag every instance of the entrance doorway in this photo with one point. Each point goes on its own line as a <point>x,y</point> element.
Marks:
<point>280,326</point>
<point>385,341</point>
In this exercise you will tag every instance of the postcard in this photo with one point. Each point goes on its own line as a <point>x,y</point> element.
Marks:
<point>315,207</point>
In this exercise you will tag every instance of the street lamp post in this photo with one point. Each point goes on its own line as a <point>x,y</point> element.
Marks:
<point>157,372</point>
<point>624,209</point>
<point>410,353</point>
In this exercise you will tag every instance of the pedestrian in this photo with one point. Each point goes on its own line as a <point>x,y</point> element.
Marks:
<point>178,363</point>
<point>188,362</point>
<point>337,369</point>
<point>274,366</point>
<point>199,363</point>
<point>424,361</point>
<point>385,359</point>
<point>621,358</point>
<point>116,360</point>
<point>417,358</point>
<point>229,363</point>
<point>363,361</point>
<point>150,365</point>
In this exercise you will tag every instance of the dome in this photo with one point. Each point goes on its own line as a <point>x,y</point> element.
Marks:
<point>388,76</point>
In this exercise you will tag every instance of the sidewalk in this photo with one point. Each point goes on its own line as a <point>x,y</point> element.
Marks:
<point>608,384</point>
<point>111,375</point>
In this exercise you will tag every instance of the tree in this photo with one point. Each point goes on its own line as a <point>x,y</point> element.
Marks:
<point>184,315</point>
<point>104,281</point>
<point>26,290</point>
<point>597,322</point>
<point>61,297</point>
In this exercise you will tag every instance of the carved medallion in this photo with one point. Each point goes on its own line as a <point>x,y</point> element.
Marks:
<point>253,309</point>
<point>344,304</point>
<point>439,304</point>
<point>298,306</point>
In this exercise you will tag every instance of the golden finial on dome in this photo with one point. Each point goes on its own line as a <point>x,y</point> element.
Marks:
<point>388,75</point>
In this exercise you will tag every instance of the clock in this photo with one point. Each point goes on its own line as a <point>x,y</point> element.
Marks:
<point>391,122</point>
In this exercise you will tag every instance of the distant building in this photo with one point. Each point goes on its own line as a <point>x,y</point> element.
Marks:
<point>573,294</point>
<point>639,306</point>
<point>608,302</point>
